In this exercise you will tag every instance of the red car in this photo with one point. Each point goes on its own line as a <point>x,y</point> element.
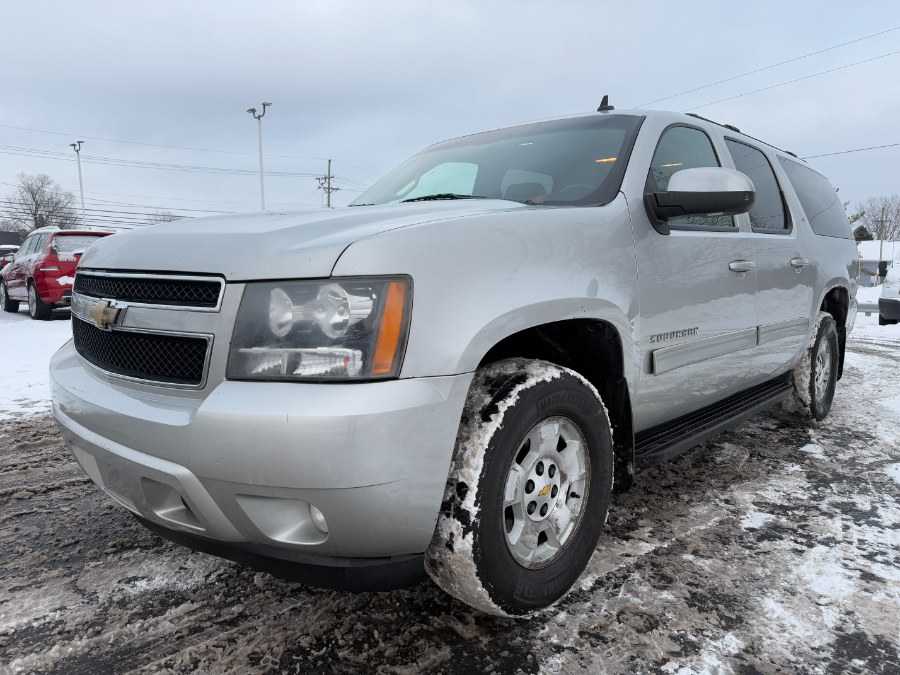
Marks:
<point>43,270</point>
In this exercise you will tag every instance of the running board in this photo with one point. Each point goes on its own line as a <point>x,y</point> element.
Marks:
<point>664,441</point>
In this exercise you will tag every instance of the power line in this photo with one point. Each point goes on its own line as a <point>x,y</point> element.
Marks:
<point>176,147</point>
<point>847,152</point>
<point>138,164</point>
<point>774,65</point>
<point>799,79</point>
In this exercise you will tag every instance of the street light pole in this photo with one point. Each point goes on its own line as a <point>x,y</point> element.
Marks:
<point>258,118</point>
<point>76,146</point>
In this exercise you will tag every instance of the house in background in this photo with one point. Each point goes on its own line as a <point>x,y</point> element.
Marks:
<point>868,258</point>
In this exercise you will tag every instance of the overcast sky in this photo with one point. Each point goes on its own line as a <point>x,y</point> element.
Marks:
<point>370,83</point>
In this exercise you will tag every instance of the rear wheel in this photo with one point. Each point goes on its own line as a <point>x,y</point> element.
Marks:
<point>6,304</point>
<point>528,492</point>
<point>37,308</point>
<point>815,377</point>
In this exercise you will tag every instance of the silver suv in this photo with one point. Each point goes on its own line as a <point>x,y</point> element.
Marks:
<point>458,371</point>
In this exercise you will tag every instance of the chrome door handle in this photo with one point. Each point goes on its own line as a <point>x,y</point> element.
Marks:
<point>799,263</point>
<point>741,265</point>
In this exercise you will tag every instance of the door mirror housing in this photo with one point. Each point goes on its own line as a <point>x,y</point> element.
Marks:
<point>703,191</point>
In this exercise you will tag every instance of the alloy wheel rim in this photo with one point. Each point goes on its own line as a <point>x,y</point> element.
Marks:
<point>823,369</point>
<point>545,492</point>
<point>32,305</point>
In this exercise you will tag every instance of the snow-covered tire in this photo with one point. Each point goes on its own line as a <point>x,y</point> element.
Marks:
<point>507,500</point>
<point>6,304</point>
<point>815,376</point>
<point>37,308</point>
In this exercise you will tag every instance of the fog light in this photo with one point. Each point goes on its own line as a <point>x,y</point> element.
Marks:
<point>318,519</point>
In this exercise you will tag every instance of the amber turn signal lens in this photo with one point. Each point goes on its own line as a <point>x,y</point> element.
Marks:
<point>390,330</point>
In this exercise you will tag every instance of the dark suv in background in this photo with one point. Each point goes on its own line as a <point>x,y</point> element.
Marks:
<point>43,270</point>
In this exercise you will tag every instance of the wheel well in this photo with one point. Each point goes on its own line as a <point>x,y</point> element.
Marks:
<point>594,350</point>
<point>837,303</point>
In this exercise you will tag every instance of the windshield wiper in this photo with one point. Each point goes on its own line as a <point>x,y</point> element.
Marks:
<point>442,195</point>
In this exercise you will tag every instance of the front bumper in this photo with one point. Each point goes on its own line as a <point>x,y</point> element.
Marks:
<point>241,464</point>
<point>889,308</point>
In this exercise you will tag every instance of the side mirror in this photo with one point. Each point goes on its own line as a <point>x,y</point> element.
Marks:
<point>704,191</point>
<point>8,258</point>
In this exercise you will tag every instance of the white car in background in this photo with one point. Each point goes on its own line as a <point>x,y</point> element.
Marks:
<point>889,302</point>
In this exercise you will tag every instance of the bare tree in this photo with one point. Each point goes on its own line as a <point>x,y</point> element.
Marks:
<point>881,217</point>
<point>38,201</point>
<point>162,217</point>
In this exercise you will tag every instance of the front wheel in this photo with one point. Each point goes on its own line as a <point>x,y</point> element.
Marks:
<point>6,304</point>
<point>528,491</point>
<point>37,308</point>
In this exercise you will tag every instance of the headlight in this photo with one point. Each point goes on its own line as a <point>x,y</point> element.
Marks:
<point>348,329</point>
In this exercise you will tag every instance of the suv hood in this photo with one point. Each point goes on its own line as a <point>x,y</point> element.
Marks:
<point>266,245</point>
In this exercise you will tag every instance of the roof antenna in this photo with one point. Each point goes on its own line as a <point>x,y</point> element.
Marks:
<point>604,104</point>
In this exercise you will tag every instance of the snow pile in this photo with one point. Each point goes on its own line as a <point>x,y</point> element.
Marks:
<point>25,350</point>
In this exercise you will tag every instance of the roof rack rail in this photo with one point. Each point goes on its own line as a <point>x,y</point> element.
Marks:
<point>738,131</point>
<point>718,124</point>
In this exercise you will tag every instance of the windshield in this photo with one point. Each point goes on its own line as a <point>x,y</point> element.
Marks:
<point>577,161</point>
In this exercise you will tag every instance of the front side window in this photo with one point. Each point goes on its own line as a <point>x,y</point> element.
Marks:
<point>578,161</point>
<point>767,213</point>
<point>682,148</point>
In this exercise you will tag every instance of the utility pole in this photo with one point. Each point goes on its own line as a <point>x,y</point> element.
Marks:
<point>76,146</point>
<point>262,187</point>
<point>881,242</point>
<point>325,184</point>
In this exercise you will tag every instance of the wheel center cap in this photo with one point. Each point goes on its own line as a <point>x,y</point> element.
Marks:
<point>540,501</point>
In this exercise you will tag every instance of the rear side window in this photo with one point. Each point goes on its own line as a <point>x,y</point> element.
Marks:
<point>767,213</point>
<point>819,200</point>
<point>27,246</point>
<point>72,243</point>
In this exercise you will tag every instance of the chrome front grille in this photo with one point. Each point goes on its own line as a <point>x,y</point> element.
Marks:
<point>157,357</point>
<point>154,328</point>
<point>151,290</point>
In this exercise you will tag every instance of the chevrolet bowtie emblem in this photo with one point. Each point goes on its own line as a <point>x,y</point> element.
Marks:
<point>104,315</point>
<point>544,491</point>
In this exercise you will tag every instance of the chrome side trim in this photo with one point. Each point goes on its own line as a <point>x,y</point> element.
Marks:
<point>174,277</point>
<point>676,356</point>
<point>776,331</point>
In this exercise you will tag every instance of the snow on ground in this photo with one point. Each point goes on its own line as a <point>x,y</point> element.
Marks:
<point>25,350</point>
<point>774,547</point>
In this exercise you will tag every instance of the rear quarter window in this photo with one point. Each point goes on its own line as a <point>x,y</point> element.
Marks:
<point>823,210</point>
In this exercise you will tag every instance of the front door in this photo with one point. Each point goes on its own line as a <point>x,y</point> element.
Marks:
<point>697,287</point>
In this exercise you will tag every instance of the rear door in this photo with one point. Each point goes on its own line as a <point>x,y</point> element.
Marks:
<point>785,269</point>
